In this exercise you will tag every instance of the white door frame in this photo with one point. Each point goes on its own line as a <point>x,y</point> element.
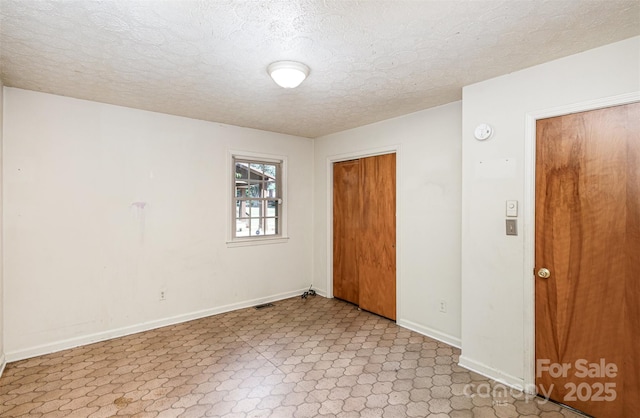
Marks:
<point>391,149</point>
<point>529,215</point>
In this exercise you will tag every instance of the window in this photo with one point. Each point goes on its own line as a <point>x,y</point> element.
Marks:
<point>257,198</point>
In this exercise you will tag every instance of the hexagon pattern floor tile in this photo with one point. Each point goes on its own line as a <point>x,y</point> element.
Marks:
<point>311,357</point>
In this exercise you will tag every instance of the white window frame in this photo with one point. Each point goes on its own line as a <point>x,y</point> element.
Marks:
<point>282,237</point>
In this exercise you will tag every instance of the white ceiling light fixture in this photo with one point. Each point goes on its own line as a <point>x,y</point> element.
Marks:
<point>288,74</point>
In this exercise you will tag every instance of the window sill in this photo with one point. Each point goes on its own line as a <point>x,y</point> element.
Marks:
<point>246,242</point>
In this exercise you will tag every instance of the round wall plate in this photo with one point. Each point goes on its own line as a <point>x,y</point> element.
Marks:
<point>483,131</point>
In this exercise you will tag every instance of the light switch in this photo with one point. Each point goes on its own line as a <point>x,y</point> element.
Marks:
<point>512,226</point>
<point>512,208</point>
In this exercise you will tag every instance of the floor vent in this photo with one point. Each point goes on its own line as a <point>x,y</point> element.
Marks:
<point>264,305</point>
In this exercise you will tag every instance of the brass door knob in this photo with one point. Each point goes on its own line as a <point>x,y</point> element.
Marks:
<point>544,273</point>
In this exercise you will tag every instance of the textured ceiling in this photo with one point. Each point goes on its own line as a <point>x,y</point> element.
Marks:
<point>369,60</point>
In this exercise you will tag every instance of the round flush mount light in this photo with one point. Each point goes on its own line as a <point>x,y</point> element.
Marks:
<point>288,74</point>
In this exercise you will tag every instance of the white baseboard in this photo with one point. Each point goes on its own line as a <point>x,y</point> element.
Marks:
<point>145,326</point>
<point>491,373</point>
<point>3,363</point>
<point>321,293</point>
<point>430,332</point>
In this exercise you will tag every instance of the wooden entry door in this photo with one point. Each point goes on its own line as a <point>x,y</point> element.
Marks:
<point>588,238</point>
<point>364,233</point>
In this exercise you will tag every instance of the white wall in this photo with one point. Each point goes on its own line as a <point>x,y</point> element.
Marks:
<point>2,355</point>
<point>428,221</point>
<point>82,263</point>
<point>495,287</point>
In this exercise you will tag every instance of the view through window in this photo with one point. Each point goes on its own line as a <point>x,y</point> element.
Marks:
<point>257,198</point>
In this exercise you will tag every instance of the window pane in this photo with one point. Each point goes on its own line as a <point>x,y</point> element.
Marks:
<point>242,170</point>
<point>272,208</point>
<point>255,208</point>
<point>257,171</point>
<point>269,171</point>
<point>242,229</point>
<point>271,226</point>
<point>241,189</point>
<point>272,191</point>
<point>254,190</point>
<point>256,227</point>
<point>242,222</point>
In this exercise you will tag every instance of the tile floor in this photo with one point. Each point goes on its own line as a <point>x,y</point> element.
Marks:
<point>312,357</point>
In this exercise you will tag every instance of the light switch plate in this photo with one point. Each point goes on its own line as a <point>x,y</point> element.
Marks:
<point>512,208</point>
<point>512,226</point>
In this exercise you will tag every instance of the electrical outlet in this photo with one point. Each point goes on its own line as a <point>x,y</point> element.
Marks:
<point>443,306</point>
<point>163,295</point>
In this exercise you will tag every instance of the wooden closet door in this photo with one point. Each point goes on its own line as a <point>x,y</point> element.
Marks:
<point>346,225</point>
<point>377,239</point>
